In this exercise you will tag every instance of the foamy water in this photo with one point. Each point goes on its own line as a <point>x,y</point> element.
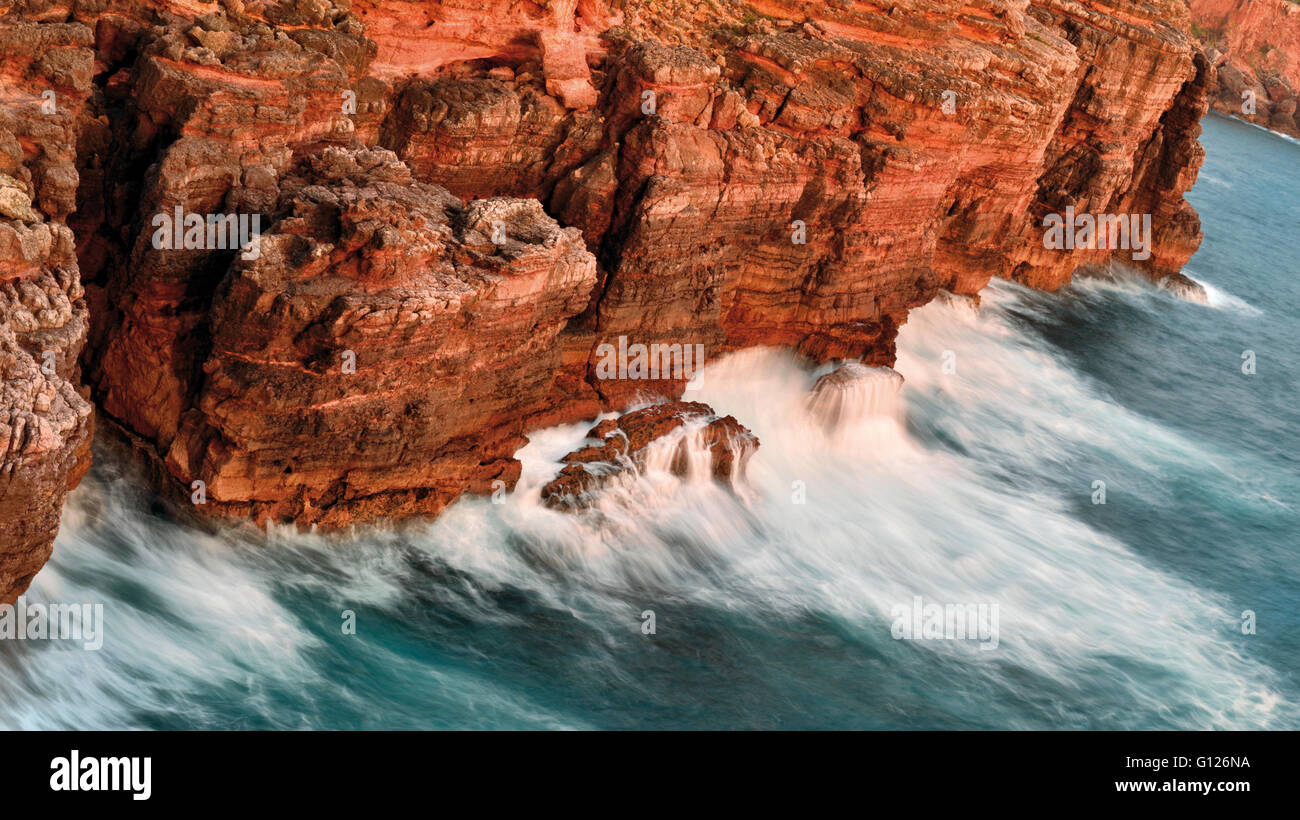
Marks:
<point>972,480</point>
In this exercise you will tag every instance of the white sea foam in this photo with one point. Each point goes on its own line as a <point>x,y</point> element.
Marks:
<point>842,525</point>
<point>1217,297</point>
<point>1269,131</point>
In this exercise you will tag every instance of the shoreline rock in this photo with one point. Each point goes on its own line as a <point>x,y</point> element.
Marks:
<point>1255,48</point>
<point>719,180</point>
<point>693,430</point>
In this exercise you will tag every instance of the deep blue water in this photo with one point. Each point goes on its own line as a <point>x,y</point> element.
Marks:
<point>976,487</point>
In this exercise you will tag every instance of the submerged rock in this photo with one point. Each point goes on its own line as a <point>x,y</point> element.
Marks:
<point>1185,288</point>
<point>853,392</point>
<point>691,439</point>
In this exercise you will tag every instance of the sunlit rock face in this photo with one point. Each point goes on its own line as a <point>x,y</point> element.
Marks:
<point>464,202</point>
<point>45,420</point>
<point>1255,45</point>
<point>378,356</point>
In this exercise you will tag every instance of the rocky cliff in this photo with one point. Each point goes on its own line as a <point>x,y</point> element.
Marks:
<point>338,258</point>
<point>1255,45</point>
<point>45,419</point>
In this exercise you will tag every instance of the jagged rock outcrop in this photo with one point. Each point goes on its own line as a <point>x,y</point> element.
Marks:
<point>689,437</point>
<point>476,198</point>
<point>45,421</point>
<point>1255,45</point>
<point>380,327</point>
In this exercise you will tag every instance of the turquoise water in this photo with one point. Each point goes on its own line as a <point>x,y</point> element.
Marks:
<point>972,487</point>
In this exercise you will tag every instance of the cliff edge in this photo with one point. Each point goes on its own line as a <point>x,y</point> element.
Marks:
<point>331,261</point>
<point>1255,45</point>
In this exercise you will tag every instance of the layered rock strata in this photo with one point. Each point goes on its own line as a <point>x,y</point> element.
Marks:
<point>45,421</point>
<point>689,437</point>
<point>1255,45</point>
<point>467,201</point>
<point>379,327</point>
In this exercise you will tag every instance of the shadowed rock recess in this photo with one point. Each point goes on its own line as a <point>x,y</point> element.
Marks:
<point>460,202</point>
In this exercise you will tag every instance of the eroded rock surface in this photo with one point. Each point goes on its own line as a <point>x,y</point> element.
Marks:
<point>379,356</point>
<point>472,198</point>
<point>690,438</point>
<point>1255,45</point>
<point>45,421</point>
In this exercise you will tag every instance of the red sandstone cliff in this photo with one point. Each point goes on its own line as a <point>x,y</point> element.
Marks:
<point>1255,44</point>
<point>463,200</point>
<point>45,422</point>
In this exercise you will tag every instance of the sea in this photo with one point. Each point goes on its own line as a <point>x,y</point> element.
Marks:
<point>1109,475</point>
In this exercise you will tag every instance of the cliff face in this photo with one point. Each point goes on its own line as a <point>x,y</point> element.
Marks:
<point>45,422</point>
<point>1255,45</point>
<point>464,204</point>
